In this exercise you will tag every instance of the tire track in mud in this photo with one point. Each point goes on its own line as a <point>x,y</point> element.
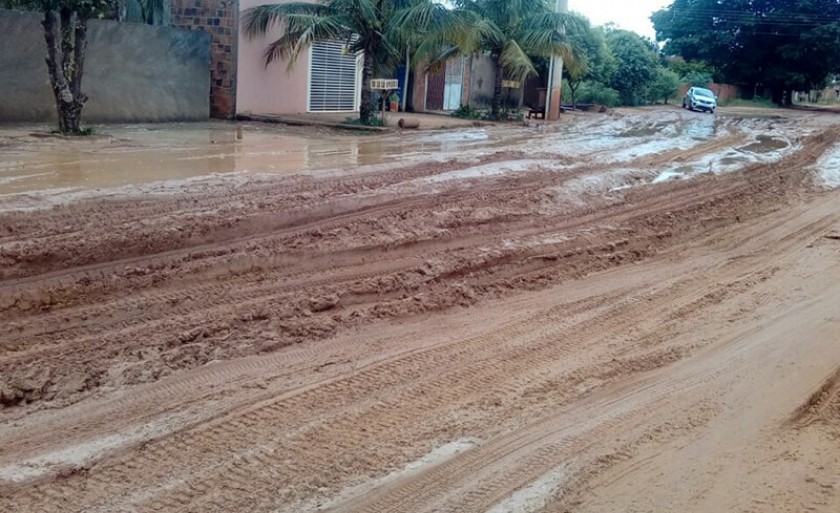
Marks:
<point>636,308</point>
<point>286,361</point>
<point>680,202</point>
<point>391,395</point>
<point>350,187</point>
<point>331,217</point>
<point>518,458</point>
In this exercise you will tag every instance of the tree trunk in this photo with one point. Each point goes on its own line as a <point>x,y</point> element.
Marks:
<point>496,109</point>
<point>573,93</point>
<point>66,37</point>
<point>781,96</point>
<point>366,105</point>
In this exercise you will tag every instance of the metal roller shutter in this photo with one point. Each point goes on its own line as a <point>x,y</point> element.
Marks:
<point>332,78</point>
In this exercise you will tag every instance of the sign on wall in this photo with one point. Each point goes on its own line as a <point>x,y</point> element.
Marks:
<point>384,84</point>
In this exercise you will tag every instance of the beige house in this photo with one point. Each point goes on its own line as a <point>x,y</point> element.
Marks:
<point>323,79</point>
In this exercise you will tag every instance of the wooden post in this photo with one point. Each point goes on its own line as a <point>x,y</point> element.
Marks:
<point>385,93</point>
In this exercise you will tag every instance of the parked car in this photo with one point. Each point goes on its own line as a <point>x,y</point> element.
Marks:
<point>701,99</point>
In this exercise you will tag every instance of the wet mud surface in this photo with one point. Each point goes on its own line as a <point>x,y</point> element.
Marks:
<point>305,320</point>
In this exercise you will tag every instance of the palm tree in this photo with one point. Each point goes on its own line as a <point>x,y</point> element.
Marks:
<point>513,32</point>
<point>366,26</point>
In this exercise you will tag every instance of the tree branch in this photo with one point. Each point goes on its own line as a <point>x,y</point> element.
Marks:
<point>59,83</point>
<point>79,60</point>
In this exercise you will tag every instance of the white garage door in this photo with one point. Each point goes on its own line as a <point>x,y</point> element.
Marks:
<point>333,78</point>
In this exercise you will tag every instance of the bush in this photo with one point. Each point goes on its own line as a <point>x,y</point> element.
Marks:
<point>375,120</point>
<point>465,112</point>
<point>697,78</point>
<point>593,92</point>
<point>665,86</point>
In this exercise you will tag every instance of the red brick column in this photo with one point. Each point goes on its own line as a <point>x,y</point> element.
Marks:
<point>221,19</point>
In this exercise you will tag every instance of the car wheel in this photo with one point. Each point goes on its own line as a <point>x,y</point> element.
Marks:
<point>690,106</point>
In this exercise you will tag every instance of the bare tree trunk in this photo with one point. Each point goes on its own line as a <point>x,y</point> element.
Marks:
<point>496,107</point>
<point>66,37</point>
<point>573,93</point>
<point>366,105</point>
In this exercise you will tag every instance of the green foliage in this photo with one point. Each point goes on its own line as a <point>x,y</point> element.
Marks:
<point>508,113</point>
<point>685,68</point>
<point>85,9</point>
<point>697,78</point>
<point>596,63</point>
<point>637,65</point>
<point>781,45</point>
<point>755,102</point>
<point>596,92</point>
<point>514,32</point>
<point>375,120</point>
<point>84,132</point>
<point>665,85</point>
<point>465,112</point>
<point>150,12</point>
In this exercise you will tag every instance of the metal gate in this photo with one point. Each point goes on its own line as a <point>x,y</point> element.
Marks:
<point>334,77</point>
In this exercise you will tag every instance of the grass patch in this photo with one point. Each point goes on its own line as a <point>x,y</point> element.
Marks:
<point>81,133</point>
<point>465,112</point>
<point>374,121</point>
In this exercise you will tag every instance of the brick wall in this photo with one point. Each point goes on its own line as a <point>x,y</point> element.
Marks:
<point>724,92</point>
<point>220,18</point>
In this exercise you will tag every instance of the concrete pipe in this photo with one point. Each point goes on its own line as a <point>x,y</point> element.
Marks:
<point>408,123</point>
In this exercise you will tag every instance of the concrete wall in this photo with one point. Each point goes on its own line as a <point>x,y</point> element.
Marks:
<point>482,82</point>
<point>220,19</point>
<point>272,89</point>
<point>132,73</point>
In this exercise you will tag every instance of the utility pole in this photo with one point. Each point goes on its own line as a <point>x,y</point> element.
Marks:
<point>554,98</point>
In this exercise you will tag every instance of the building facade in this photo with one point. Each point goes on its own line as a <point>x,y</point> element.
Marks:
<point>324,78</point>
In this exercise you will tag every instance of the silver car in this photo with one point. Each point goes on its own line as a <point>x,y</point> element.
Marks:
<point>700,99</point>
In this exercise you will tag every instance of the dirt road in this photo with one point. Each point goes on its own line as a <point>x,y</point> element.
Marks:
<point>634,312</point>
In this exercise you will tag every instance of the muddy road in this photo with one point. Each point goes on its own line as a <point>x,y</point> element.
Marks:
<point>628,312</point>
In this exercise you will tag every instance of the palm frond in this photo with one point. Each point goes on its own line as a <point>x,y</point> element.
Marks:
<point>428,57</point>
<point>544,35</point>
<point>290,44</point>
<point>364,13</point>
<point>152,10</point>
<point>257,21</point>
<point>516,62</point>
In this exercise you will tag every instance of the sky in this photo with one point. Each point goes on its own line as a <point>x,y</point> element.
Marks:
<point>627,14</point>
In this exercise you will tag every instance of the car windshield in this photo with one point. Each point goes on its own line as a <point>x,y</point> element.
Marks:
<point>704,92</point>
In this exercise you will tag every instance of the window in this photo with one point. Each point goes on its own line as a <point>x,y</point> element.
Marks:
<point>333,78</point>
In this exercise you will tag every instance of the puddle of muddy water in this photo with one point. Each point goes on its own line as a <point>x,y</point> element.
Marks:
<point>131,155</point>
<point>765,144</point>
<point>828,168</point>
<point>647,131</point>
<point>145,156</point>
